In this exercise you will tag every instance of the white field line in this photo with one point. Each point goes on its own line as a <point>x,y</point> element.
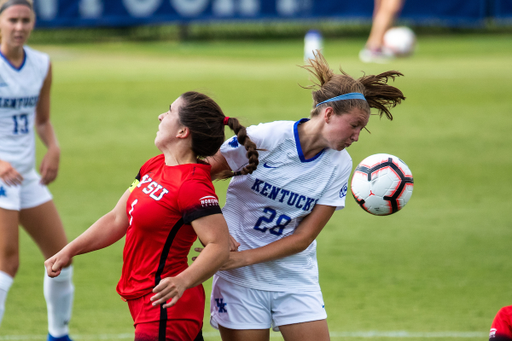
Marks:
<point>367,334</point>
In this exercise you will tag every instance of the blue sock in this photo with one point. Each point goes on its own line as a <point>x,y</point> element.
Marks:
<point>62,338</point>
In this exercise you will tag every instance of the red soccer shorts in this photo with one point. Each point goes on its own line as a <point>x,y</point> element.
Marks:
<point>181,322</point>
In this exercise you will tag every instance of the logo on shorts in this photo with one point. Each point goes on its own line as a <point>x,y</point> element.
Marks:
<point>221,305</point>
<point>2,191</point>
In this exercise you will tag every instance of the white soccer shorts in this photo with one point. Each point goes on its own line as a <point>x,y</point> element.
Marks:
<point>236,307</point>
<point>31,193</point>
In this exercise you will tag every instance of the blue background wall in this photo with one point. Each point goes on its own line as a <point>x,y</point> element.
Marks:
<point>69,13</point>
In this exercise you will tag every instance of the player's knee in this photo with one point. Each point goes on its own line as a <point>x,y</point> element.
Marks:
<point>9,263</point>
<point>9,259</point>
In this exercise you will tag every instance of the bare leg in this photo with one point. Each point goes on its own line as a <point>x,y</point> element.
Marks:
<point>306,331</point>
<point>9,253</point>
<point>9,242</point>
<point>244,335</point>
<point>384,15</point>
<point>43,224</point>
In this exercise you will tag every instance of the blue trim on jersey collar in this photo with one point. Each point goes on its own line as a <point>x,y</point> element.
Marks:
<point>297,142</point>
<point>10,64</point>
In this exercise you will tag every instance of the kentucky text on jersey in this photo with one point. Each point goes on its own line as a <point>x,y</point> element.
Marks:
<point>16,103</point>
<point>155,190</point>
<point>275,193</point>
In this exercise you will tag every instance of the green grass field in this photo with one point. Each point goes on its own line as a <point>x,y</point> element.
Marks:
<point>441,268</point>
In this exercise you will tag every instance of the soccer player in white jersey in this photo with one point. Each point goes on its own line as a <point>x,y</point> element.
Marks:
<point>277,212</point>
<point>25,80</point>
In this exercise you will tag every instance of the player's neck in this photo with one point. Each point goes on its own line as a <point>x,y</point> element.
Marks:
<point>310,138</point>
<point>179,156</point>
<point>14,55</point>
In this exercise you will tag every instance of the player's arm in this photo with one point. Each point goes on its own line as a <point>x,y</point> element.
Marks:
<point>44,128</point>
<point>104,232</point>
<point>213,232</point>
<point>305,233</point>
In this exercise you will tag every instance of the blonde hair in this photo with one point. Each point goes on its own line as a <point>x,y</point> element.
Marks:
<point>377,92</point>
<point>2,2</point>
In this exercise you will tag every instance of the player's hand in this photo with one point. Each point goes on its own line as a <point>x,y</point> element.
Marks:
<point>50,166</point>
<point>9,175</point>
<point>55,264</point>
<point>168,288</point>
<point>233,246</point>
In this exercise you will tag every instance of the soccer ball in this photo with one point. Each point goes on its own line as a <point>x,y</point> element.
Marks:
<point>401,41</point>
<point>382,184</point>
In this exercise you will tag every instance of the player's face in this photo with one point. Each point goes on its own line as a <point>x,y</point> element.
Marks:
<point>343,130</point>
<point>169,124</point>
<point>16,24</point>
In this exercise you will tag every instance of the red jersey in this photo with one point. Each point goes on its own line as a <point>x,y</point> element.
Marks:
<point>163,202</point>
<point>501,328</point>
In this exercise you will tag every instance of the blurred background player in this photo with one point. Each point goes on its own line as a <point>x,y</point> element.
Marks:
<point>170,204</point>
<point>25,81</point>
<point>501,328</point>
<point>277,212</point>
<point>384,14</point>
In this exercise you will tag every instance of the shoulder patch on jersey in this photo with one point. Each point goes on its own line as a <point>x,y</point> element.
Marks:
<point>209,200</point>
<point>344,190</point>
<point>234,142</point>
<point>133,185</point>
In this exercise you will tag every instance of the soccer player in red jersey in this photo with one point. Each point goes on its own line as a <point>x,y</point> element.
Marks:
<point>501,328</point>
<point>171,202</point>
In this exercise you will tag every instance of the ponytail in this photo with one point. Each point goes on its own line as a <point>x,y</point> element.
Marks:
<point>252,152</point>
<point>206,121</point>
<point>328,85</point>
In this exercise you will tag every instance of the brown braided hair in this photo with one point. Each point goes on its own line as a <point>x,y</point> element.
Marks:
<point>205,119</point>
<point>375,89</point>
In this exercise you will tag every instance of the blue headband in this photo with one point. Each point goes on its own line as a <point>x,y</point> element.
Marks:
<point>350,95</point>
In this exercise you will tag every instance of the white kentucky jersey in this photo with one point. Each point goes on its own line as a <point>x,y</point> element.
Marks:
<point>270,203</point>
<point>19,94</point>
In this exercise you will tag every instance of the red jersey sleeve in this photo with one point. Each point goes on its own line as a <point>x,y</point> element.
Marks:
<point>501,328</point>
<point>197,199</point>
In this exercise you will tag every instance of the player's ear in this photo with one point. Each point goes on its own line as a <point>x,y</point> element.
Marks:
<point>328,113</point>
<point>183,133</point>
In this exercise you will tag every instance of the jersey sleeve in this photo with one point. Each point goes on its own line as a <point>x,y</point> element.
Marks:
<point>135,182</point>
<point>264,135</point>
<point>142,170</point>
<point>337,188</point>
<point>501,328</point>
<point>197,199</point>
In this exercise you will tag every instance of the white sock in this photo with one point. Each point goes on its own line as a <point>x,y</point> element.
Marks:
<point>5,285</point>
<point>59,292</point>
